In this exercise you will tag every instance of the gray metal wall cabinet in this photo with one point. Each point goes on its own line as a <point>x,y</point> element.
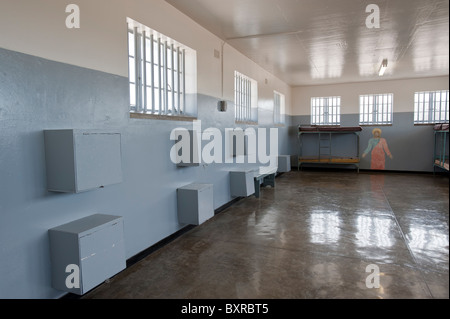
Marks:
<point>95,244</point>
<point>242,183</point>
<point>82,160</point>
<point>195,203</point>
<point>194,148</point>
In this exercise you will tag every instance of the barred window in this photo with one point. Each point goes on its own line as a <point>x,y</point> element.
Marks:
<point>157,72</point>
<point>431,107</point>
<point>326,110</point>
<point>245,98</point>
<point>376,109</point>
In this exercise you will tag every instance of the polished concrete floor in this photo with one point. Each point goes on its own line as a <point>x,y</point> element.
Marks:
<point>312,236</point>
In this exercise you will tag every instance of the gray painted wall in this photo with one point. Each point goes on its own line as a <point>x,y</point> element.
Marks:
<point>38,94</point>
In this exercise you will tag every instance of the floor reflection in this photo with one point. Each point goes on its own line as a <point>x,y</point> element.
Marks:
<point>325,227</point>
<point>374,231</point>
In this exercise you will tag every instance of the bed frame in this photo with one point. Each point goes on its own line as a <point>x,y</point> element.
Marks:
<point>441,140</point>
<point>325,152</point>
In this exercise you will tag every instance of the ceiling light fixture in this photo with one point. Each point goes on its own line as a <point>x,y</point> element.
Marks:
<point>383,67</point>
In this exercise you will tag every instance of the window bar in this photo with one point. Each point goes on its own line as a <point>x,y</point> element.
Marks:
<point>338,111</point>
<point>431,107</point>
<point>152,61</point>
<point>246,101</point>
<point>239,81</point>
<point>144,70</point>
<point>249,105</point>
<point>160,76</point>
<point>240,97</point>
<point>236,78</point>
<point>129,56</point>
<point>421,107</point>
<point>334,111</point>
<point>178,81</point>
<point>166,75</point>
<point>172,50</point>
<point>437,106</point>
<point>331,110</point>
<point>366,109</point>
<point>249,97</point>
<point>184,81</point>
<point>137,57</point>
<point>380,109</point>
<point>446,106</point>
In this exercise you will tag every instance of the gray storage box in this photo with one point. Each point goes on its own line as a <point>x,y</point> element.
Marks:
<point>284,163</point>
<point>242,183</point>
<point>94,244</point>
<point>195,203</point>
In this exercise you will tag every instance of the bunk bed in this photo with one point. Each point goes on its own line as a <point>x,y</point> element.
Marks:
<point>325,154</point>
<point>441,140</point>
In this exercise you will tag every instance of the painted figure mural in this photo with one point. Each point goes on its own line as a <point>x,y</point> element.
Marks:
<point>379,148</point>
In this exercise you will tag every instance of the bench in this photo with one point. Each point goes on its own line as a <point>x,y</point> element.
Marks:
<point>264,176</point>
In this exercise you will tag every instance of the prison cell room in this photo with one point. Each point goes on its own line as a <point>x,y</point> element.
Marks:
<point>249,151</point>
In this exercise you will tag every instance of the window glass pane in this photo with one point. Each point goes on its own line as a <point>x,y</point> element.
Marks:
<point>132,95</point>
<point>130,44</point>
<point>132,70</point>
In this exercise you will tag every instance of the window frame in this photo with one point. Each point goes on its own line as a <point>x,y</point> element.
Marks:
<point>157,74</point>
<point>320,113</point>
<point>426,116</point>
<point>369,113</point>
<point>245,99</point>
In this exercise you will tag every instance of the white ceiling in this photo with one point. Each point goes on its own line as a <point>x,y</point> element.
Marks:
<point>305,42</point>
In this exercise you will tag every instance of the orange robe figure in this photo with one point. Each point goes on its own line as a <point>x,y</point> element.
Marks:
<point>379,148</point>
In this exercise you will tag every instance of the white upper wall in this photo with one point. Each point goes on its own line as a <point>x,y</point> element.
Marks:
<point>403,91</point>
<point>38,27</point>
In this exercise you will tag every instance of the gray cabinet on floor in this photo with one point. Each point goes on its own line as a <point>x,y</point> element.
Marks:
<point>86,252</point>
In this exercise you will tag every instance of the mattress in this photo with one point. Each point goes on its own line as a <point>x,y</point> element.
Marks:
<point>329,129</point>
<point>442,164</point>
<point>333,159</point>
<point>441,127</point>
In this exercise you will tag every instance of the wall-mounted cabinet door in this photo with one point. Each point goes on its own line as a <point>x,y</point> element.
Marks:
<point>81,160</point>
